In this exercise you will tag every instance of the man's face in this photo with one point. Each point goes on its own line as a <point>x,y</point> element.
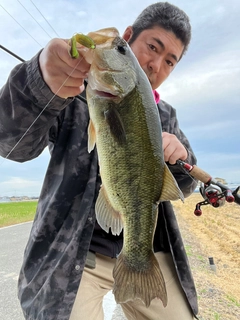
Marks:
<point>157,51</point>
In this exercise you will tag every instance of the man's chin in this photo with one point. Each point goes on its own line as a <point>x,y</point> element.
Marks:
<point>153,84</point>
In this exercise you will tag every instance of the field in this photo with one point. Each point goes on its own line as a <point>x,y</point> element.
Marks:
<point>215,234</point>
<point>16,212</point>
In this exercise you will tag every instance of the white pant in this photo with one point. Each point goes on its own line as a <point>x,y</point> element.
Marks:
<point>97,282</point>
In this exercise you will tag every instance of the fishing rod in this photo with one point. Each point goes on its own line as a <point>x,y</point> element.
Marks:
<point>12,53</point>
<point>214,192</point>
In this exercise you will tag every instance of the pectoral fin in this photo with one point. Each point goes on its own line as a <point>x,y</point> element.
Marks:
<point>170,190</point>
<point>107,216</point>
<point>116,125</point>
<point>91,136</point>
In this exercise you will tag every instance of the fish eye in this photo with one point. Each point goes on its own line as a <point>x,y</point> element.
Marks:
<point>121,49</point>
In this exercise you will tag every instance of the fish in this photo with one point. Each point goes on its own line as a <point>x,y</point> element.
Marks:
<point>126,129</point>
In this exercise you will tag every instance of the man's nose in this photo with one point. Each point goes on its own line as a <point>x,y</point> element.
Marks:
<point>155,64</point>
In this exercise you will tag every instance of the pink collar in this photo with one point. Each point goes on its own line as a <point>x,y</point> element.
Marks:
<point>156,96</point>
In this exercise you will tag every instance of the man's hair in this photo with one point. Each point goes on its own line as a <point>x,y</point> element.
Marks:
<point>166,16</point>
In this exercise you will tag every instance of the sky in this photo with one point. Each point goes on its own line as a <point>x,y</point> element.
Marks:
<point>204,88</point>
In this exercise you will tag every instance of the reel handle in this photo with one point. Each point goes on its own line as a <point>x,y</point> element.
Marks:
<point>198,211</point>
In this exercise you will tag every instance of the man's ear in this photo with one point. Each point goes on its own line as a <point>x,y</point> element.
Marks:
<point>127,35</point>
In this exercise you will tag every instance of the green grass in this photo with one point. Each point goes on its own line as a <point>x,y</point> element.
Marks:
<point>188,249</point>
<point>217,316</point>
<point>17,212</point>
<point>233,300</point>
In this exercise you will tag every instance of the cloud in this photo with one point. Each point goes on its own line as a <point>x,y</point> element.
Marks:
<point>19,186</point>
<point>221,165</point>
<point>81,13</point>
<point>206,96</point>
<point>18,182</point>
<point>214,76</point>
<point>23,178</point>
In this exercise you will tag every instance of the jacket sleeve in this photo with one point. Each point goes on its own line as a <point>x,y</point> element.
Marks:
<point>170,124</point>
<point>28,109</point>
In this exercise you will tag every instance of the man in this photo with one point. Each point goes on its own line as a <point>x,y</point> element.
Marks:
<point>64,231</point>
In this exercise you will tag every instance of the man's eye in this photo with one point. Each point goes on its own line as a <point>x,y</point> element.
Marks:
<point>152,47</point>
<point>169,63</point>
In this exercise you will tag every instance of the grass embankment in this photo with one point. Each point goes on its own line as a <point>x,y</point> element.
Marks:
<point>214,234</point>
<point>17,212</point>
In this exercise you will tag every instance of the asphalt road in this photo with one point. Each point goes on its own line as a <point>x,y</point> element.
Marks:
<point>13,240</point>
<point>12,243</point>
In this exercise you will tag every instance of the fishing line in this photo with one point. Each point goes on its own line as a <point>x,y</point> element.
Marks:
<point>14,147</point>
<point>45,19</point>
<point>180,164</point>
<point>34,19</point>
<point>21,138</point>
<point>21,26</point>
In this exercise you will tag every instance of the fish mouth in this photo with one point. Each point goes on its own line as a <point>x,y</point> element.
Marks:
<point>105,94</point>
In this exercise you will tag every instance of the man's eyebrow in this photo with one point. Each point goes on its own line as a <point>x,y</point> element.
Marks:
<point>161,44</point>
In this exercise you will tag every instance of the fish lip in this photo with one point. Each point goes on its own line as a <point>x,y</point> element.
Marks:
<point>101,69</point>
<point>105,94</point>
<point>105,91</point>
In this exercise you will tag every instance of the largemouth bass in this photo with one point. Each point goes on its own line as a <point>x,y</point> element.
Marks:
<point>125,126</point>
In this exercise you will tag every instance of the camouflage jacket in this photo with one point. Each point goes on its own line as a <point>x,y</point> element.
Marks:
<point>60,237</point>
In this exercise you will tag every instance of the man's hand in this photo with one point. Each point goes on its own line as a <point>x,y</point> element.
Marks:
<point>57,69</point>
<point>173,148</point>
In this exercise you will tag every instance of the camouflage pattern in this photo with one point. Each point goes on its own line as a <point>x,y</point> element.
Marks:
<point>55,254</point>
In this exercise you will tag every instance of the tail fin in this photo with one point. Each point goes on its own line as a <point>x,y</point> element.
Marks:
<point>131,283</point>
